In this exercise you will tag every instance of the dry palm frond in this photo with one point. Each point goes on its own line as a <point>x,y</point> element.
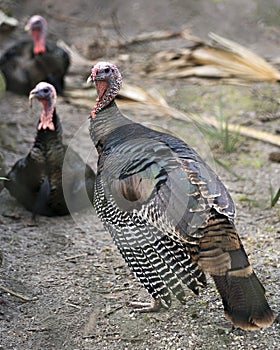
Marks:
<point>152,102</point>
<point>221,59</point>
<point>247,64</point>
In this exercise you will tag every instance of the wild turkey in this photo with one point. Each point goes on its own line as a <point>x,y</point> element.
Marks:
<point>36,180</point>
<point>28,62</point>
<point>167,211</point>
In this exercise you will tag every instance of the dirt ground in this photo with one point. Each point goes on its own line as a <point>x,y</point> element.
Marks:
<point>75,281</point>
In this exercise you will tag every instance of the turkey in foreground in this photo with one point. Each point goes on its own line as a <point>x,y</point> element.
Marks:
<point>36,180</point>
<point>167,211</point>
<point>28,62</point>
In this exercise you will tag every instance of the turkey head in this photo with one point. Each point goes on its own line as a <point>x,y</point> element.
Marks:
<point>108,81</point>
<point>37,28</point>
<point>46,94</point>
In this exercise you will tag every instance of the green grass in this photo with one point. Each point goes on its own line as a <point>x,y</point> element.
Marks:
<point>229,140</point>
<point>226,139</point>
<point>274,196</point>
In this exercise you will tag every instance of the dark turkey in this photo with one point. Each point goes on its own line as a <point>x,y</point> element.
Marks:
<point>28,62</point>
<point>36,180</point>
<point>167,211</point>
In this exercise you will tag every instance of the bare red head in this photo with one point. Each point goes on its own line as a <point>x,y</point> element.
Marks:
<point>108,82</point>
<point>37,27</point>
<point>46,94</point>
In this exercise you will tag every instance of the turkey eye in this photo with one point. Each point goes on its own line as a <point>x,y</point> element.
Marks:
<point>107,70</point>
<point>45,90</point>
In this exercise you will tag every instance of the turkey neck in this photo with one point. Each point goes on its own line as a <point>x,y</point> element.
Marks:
<point>47,139</point>
<point>39,41</point>
<point>105,122</point>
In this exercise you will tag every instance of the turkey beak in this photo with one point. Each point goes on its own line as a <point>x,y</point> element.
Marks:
<point>32,94</point>
<point>27,27</point>
<point>92,76</point>
<point>90,79</point>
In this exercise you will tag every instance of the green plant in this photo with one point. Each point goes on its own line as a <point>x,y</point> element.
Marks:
<point>228,139</point>
<point>274,196</point>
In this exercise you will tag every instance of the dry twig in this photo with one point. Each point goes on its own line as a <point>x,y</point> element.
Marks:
<point>16,294</point>
<point>72,257</point>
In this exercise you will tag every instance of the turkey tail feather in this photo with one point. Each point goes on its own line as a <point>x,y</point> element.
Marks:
<point>244,300</point>
<point>223,256</point>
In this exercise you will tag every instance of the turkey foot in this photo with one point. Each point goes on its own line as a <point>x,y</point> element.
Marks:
<point>154,306</point>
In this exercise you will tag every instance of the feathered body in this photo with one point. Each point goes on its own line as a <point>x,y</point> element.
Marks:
<point>167,211</point>
<point>28,62</point>
<point>36,180</point>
